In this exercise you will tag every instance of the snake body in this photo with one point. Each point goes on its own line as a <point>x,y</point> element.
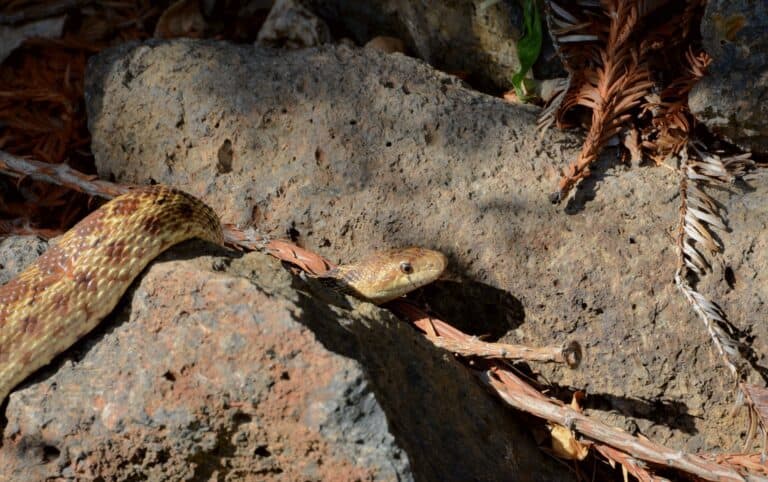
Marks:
<point>78,281</point>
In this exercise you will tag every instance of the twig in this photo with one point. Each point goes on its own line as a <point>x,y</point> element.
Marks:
<point>60,175</point>
<point>63,175</point>
<point>517,394</point>
<point>569,354</point>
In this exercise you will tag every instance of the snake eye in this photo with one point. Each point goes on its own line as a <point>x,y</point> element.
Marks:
<point>406,267</point>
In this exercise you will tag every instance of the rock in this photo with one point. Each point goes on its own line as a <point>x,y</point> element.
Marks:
<point>215,368</point>
<point>16,252</point>
<point>388,45</point>
<point>353,150</point>
<point>474,38</point>
<point>730,99</point>
<point>291,24</point>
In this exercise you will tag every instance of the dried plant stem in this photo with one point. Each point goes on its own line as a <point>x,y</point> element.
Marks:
<point>699,214</point>
<point>524,397</point>
<point>516,393</point>
<point>63,175</point>
<point>695,245</point>
<point>454,340</point>
<point>472,347</point>
<point>60,175</point>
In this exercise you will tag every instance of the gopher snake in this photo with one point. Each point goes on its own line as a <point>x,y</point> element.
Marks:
<point>68,290</point>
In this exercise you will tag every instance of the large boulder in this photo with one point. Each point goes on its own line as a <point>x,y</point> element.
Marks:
<point>350,150</point>
<point>215,367</point>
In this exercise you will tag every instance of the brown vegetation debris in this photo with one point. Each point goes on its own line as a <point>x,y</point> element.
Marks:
<point>42,108</point>
<point>614,52</point>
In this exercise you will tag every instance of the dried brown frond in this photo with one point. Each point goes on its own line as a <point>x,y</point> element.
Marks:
<point>607,75</point>
<point>629,465</point>
<point>756,399</point>
<point>671,124</point>
<point>609,49</point>
<point>754,464</point>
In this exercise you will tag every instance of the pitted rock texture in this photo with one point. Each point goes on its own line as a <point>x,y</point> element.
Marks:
<point>351,150</point>
<point>215,368</point>
<point>731,99</point>
<point>16,252</point>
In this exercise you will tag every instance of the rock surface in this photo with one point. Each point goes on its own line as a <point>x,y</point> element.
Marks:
<point>474,37</point>
<point>291,24</point>
<point>215,368</point>
<point>731,99</point>
<point>351,150</point>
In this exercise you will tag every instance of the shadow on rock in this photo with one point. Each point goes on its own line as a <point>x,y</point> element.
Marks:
<point>668,413</point>
<point>475,308</point>
<point>439,414</point>
<point>586,190</point>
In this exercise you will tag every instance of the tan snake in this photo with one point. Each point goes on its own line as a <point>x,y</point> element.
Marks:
<point>68,290</point>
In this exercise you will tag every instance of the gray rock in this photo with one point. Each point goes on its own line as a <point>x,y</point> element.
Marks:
<point>16,252</point>
<point>352,150</point>
<point>215,368</point>
<point>732,100</point>
<point>291,24</point>
<point>472,37</point>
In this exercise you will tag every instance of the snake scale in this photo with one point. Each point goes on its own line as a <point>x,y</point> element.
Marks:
<point>78,281</point>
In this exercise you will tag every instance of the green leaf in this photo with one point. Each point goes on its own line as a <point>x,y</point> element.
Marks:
<point>529,46</point>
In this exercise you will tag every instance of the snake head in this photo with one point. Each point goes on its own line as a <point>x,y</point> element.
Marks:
<point>386,275</point>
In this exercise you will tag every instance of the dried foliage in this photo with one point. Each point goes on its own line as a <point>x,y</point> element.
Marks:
<point>610,49</point>
<point>620,56</point>
<point>697,243</point>
<point>42,108</point>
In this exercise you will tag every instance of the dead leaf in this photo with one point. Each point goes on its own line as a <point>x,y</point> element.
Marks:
<point>565,445</point>
<point>511,97</point>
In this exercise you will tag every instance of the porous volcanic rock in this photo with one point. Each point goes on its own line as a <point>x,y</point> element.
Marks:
<point>350,150</point>
<point>731,99</point>
<point>214,367</point>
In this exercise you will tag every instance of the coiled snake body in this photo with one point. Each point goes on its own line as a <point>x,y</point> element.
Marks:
<point>68,290</point>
